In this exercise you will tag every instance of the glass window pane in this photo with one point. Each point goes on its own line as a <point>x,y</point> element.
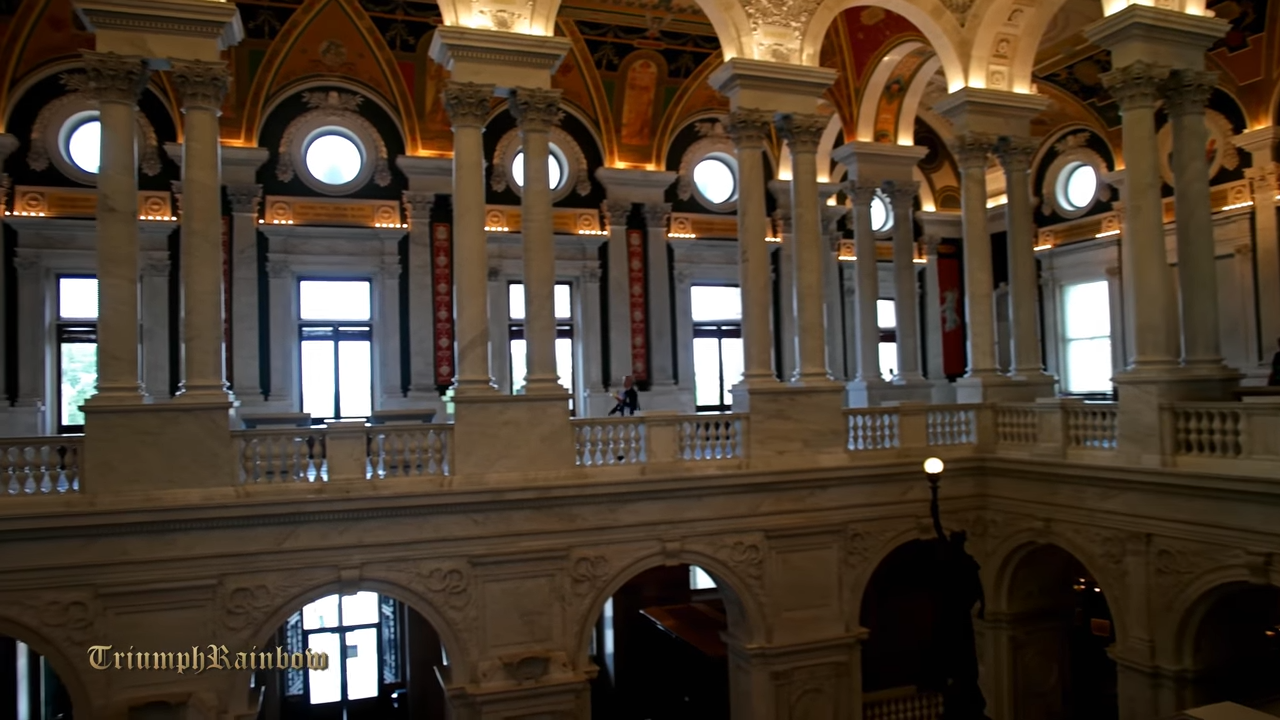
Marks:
<point>1082,186</point>
<point>85,146</point>
<point>734,364</point>
<point>564,362</point>
<point>78,366</point>
<point>888,359</point>
<point>881,218</point>
<point>355,368</point>
<point>78,298</point>
<point>699,579</point>
<point>334,300</point>
<point>564,302</point>
<point>607,616</point>
<point>515,301</point>
<point>1089,365</point>
<point>360,609</point>
<point>886,314</point>
<point>714,179</point>
<point>361,662</point>
<point>317,378</point>
<point>322,613</point>
<point>519,365</point>
<point>326,685</point>
<point>554,172</point>
<point>706,371</point>
<point>334,159</point>
<point>709,303</point>
<point>1087,310</point>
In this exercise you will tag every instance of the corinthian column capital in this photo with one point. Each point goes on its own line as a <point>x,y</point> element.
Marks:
<point>973,149</point>
<point>418,204</point>
<point>748,128</point>
<point>467,103</point>
<point>1188,91</point>
<point>656,214</point>
<point>862,194</point>
<point>536,108</point>
<point>616,212</point>
<point>201,84</point>
<point>114,78</point>
<point>802,131</point>
<point>1135,85</point>
<point>902,194</point>
<point>244,199</point>
<point>1015,153</point>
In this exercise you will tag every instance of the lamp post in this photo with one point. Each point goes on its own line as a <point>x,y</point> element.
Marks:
<point>933,468</point>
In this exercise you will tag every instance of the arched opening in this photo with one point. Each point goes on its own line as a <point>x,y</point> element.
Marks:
<point>353,656</point>
<point>1236,650</point>
<point>659,650</point>
<point>30,689</point>
<point>1059,628</point>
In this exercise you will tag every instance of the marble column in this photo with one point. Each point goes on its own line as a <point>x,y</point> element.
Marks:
<point>536,112</point>
<point>1024,299</point>
<point>245,366</point>
<point>468,107</point>
<point>934,359</point>
<point>155,324</point>
<point>8,143</point>
<point>971,153</point>
<point>906,306</point>
<point>1265,178</point>
<point>619,283</point>
<point>499,289</point>
<point>849,299</point>
<point>1185,95</point>
<point>201,87</point>
<point>867,287</point>
<point>1146,276</point>
<point>588,354</point>
<point>661,355</point>
<point>785,321</point>
<point>749,128</point>
<point>684,331</point>
<point>386,333</point>
<point>803,132</point>
<point>34,314</point>
<point>422,335</point>
<point>832,297</point>
<point>284,323</point>
<point>116,81</point>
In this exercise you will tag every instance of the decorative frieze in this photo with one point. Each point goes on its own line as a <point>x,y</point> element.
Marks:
<point>83,203</point>
<point>282,210</point>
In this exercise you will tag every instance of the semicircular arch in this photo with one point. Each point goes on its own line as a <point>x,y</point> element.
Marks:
<point>1189,607</point>
<point>77,688</point>
<point>943,33</point>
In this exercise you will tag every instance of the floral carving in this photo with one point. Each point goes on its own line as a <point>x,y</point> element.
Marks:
<point>587,573</point>
<point>112,77</point>
<point>748,128</point>
<point>468,103</point>
<point>67,622</point>
<point>244,199</point>
<point>861,544</point>
<point>536,109</point>
<point>802,131</point>
<point>333,108</point>
<point>971,150</point>
<point>201,84</point>
<point>791,14</point>
<point>245,607</point>
<point>1072,141</point>
<point>1136,84</point>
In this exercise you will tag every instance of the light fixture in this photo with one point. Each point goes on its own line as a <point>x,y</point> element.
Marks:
<point>688,236</point>
<point>920,261</point>
<point>496,228</point>
<point>1108,233</point>
<point>593,232</point>
<point>281,222</point>
<point>1038,248</point>
<point>934,466</point>
<point>773,239</point>
<point>846,258</point>
<point>390,225</point>
<point>1236,206</point>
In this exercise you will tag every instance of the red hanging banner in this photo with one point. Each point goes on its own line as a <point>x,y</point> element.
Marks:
<point>951,305</point>
<point>442,299</point>
<point>639,329</point>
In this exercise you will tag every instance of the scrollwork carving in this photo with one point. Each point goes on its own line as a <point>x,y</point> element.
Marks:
<point>587,574</point>
<point>536,109</point>
<point>616,212</point>
<point>1015,153</point>
<point>418,204</point>
<point>861,544</point>
<point>656,214</point>
<point>244,199</point>
<point>110,77</point>
<point>448,587</point>
<point>803,132</point>
<point>1188,91</point>
<point>748,128</point>
<point>467,103</point>
<point>68,620</point>
<point>972,150</point>
<point>1135,85</point>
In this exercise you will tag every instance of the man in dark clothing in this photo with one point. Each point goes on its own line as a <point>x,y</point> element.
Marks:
<point>628,399</point>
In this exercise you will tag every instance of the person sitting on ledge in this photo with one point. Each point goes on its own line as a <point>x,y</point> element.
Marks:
<point>628,399</point>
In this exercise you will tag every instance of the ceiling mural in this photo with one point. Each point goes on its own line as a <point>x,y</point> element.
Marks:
<point>888,109</point>
<point>873,31</point>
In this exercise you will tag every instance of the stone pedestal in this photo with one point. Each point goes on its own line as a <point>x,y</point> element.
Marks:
<point>145,448</point>
<point>509,434</point>
<point>819,679</point>
<point>1142,435</point>
<point>787,420</point>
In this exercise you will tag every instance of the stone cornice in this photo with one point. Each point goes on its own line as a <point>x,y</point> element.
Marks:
<point>203,19</point>
<point>491,56</point>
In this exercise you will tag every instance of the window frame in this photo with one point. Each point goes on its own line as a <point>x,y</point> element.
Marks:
<point>564,331</point>
<point>366,327</point>
<point>885,230</point>
<point>1075,153</point>
<point>888,335</point>
<point>69,331</point>
<point>342,629</point>
<point>728,161</point>
<point>721,330</point>
<point>1065,341</point>
<point>347,134</point>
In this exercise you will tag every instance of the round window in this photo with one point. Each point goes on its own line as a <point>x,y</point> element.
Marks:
<point>714,178</point>
<point>1077,186</point>
<point>333,157</point>
<point>84,144</point>
<point>881,218</point>
<point>555,171</point>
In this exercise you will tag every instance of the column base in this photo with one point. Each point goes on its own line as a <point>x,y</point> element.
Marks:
<point>26,418</point>
<point>861,393</point>
<point>667,397</point>
<point>1002,388</point>
<point>1143,392</point>
<point>788,420</point>
<point>495,434</point>
<point>145,447</point>
<point>203,396</point>
<point>544,388</point>
<point>741,393</point>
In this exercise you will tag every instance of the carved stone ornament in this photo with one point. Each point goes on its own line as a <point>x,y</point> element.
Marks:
<point>111,77</point>
<point>615,213</point>
<point>656,214</point>
<point>1176,564</point>
<point>863,542</point>
<point>802,131</point>
<point>1135,85</point>
<point>418,204</point>
<point>578,177</point>
<point>1016,153</point>
<point>746,555</point>
<point>862,194</point>
<point>48,125</point>
<point>246,607</point>
<point>536,109</point>
<point>333,108</point>
<point>749,128</point>
<point>68,620</point>
<point>201,84</point>
<point>1188,91</point>
<point>587,574</point>
<point>959,9</point>
<point>467,103</point>
<point>901,193</point>
<point>448,587</point>
<point>712,138</point>
<point>972,150</point>
<point>244,199</point>
<point>793,15</point>
<point>1073,140</point>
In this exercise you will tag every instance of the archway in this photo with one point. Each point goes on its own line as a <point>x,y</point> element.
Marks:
<point>1053,636</point>
<point>30,686</point>
<point>658,643</point>
<point>365,655</point>
<point>1235,648</point>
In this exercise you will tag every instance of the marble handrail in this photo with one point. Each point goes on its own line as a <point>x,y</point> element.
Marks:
<point>873,428</point>
<point>41,465</point>
<point>280,455</point>
<point>610,441</point>
<point>410,450</point>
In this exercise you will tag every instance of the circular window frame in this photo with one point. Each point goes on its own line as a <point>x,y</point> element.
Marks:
<point>68,128</point>
<point>319,126</point>
<point>729,161</point>
<point>556,152</point>
<point>713,142</point>
<point>1053,191</point>
<point>574,176</point>
<point>887,230</point>
<point>1062,187</point>
<point>59,118</point>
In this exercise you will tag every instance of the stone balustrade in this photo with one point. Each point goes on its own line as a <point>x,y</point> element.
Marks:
<point>41,465</point>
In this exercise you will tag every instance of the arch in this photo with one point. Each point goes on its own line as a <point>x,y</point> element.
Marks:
<point>1196,599</point>
<point>889,544</point>
<point>830,137</point>
<point>329,81</point>
<point>944,35</point>
<point>1205,596</point>
<point>875,85</point>
<point>745,612</point>
<point>81,699</point>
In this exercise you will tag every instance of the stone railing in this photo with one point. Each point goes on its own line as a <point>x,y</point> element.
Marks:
<point>343,451</point>
<point>1207,436</point>
<point>902,704</point>
<point>41,465</point>
<point>659,437</point>
<point>1072,429</point>
<point>872,428</point>
<point>282,455</point>
<point>410,451</point>
<point>609,441</point>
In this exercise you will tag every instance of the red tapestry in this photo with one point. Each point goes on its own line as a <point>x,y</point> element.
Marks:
<point>442,299</point>
<point>635,280</point>
<point>951,305</point>
<point>226,298</point>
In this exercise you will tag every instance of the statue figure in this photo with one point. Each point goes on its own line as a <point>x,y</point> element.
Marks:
<point>960,591</point>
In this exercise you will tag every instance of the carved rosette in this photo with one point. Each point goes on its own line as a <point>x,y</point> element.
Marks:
<point>535,109</point>
<point>1188,91</point>
<point>1015,153</point>
<point>615,213</point>
<point>972,150</point>
<point>467,103</point>
<point>244,199</point>
<point>587,574</point>
<point>110,77</point>
<point>656,215</point>
<point>803,132</point>
<point>746,555</point>
<point>201,84</point>
<point>748,128</point>
<point>418,205</point>
<point>1136,85</point>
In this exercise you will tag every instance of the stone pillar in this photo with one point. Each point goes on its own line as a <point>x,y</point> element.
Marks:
<point>34,314</point>
<point>619,282</point>
<point>468,107</point>
<point>802,133</point>
<point>849,302</point>
<point>536,112</point>
<point>8,143</point>
<point>116,81</point>
<point>749,128</point>
<point>971,153</point>
<point>589,349</point>
<point>386,332</point>
<point>684,334</point>
<point>201,87</point>
<point>1024,286</point>
<point>832,297</point>
<point>422,335</point>
<point>1143,257</point>
<point>155,324</point>
<point>1264,176</point>
<point>785,277</point>
<point>284,324</point>
<point>934,365</point>
<point>661,333</point>
<point>1185,95</point>
<point>499,332</point>
<point>245,351</point>
<point>867,288</point>
<point>902,196</point>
